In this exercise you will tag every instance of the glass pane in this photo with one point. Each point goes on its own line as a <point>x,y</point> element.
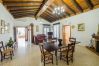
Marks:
<point>56,30</point>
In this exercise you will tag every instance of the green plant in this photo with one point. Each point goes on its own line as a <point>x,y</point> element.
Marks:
<point>10,43</point>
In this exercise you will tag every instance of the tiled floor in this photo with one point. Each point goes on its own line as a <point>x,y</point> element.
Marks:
<point>30,56</point>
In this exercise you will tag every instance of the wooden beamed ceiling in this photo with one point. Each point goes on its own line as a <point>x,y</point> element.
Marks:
<point>23,8</point>
<point>44,8</point>
<point>72,7</point>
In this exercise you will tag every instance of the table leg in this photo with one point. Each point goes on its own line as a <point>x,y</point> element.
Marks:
<point>56,57</point>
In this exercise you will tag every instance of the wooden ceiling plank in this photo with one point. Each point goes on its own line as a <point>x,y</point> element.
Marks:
<point>21,9</point>
<point>0,1</point>
<point>52,14</point>
<point>49,15</point>
<point>77,5</point>
<point>27,5</point>
<point>23,16</point>
<point>45,18</point>
<point>67,14</point>
<point>89,3</point>
<point>11,8</point>
<point>68,7</point>
<point>44,7</point>
<point>22,12</point>
<point>22,1</point>
<point>50,11</point>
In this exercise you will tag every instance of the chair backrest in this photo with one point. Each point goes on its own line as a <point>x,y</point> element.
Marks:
<point>72,40</point>
<point>41,48</point>
<point>71,47</point>
<point>2,48</point>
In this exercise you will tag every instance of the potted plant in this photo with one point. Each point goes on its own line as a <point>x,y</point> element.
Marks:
<point>10,43</point>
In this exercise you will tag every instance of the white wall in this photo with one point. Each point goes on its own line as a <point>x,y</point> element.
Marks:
<point>91,20</point>
<point>28,20</point>
<point>7,17</point>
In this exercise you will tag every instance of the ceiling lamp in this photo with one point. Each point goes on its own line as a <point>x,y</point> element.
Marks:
<point>58,10</point>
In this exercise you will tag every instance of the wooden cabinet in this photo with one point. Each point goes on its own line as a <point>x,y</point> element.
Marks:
<point>96,43</point>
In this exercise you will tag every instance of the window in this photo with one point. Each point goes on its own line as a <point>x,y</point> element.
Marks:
<point>46,29</point>
<point>56,30</point>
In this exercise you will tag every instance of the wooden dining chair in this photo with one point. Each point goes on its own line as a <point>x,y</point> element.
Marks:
<point>5,52</point>
<point>73,40</point>
<point>46,56</point>
<point>67,54</point>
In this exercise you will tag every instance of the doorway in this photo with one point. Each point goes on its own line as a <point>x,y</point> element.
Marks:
<point>66,34</point>
<point>21,36</point>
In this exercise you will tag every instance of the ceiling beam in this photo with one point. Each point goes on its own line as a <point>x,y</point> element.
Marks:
<point>22,4</point>
<point>77,5</point>
<point>11,6</point>
<point>44,7</point>
<point>69,7</point>
<point>16,8</point>
<point>89,3</point>
<point>22,1</point>
<point>21,9</point>
<point>23,16</point>
<point>23,12</point>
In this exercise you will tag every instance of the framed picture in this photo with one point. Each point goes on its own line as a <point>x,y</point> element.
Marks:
<point>2,23</point>
<point>2,30</point>
<point>37,28</point>
<point>81,27</point>
<point>7,27</point>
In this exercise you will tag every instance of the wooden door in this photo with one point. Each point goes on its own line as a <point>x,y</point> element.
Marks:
<point>15,38</point>
<point>66,34</point>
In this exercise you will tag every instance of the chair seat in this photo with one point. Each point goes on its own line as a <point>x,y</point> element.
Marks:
<point>7,51</point>
<point>47,53</point>
<point>64,53</point>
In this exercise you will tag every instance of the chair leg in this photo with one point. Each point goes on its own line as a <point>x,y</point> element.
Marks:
<point>2,58</point>
<point>67,60</point>
<point>11,53</point>
<point>44,60</point>
<point>60,56</point>
<point>72,58</point>
<point>52,59</point>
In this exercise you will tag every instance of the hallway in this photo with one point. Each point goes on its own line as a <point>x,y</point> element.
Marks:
<point>30,56</point>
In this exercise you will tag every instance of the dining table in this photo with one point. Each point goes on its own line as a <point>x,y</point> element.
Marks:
<point>52,46</point>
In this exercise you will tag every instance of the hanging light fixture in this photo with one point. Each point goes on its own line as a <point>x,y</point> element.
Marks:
<point>58,10</point>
